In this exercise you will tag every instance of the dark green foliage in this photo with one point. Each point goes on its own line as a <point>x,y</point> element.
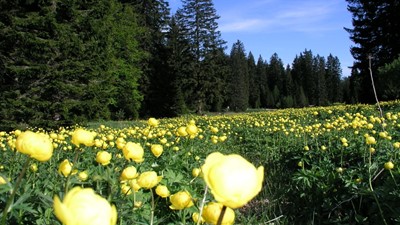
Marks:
<point>67,62</point>
<point>389,76</point>
<point>198,20</point>
<point>239,79</point>
<point>376,34</point>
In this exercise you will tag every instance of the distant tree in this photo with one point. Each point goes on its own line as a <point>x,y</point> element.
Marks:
<point>304,77</point>
<point>320,73</point>
<point>71,58</point>
<point>254,86</point>
<point>153,16</point>
<point>199,21</point>
<point>239,78</point>
<point>333,77</point>
<point>261,72</point>
<point>181,63</point>
<point>390,77</point>
<point>376,35</point>
<point>216,66</point>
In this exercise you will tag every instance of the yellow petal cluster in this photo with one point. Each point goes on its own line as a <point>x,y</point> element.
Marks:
<point>212,211</point>
<point>162,191</point>
<point>103,157</point>
<point>36,145</point>
<point>84,137</point>
<point>84,207</point>
<point>129,173</point>
<point>232,179</point>
<point>157,150</point>
<point>133,151</point>
<point>148,179</point>
<point>181,200</point>
<point>65,168</point>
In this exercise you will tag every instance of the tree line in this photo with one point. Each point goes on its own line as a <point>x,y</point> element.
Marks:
<point>69,61</point>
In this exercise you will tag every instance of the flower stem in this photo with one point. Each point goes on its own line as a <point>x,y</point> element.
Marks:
<point>152,207</point>
<point>202,205</point>
<point>221,215</point>
<point>14,191</point>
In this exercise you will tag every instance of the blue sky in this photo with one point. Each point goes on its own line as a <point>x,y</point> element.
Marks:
<point>286,27</point>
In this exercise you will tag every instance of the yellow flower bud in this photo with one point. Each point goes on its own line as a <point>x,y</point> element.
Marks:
<point>232,179</point>
<point>181,200</point>
<point>103,157</point>
<point>148,179</point>
<point>157,150</point>
<point>65,168</point>
<point>81,136</point>
<point>84,207</point>
<point>196,172</point>
<point>33,167</point>
<point>192,129</point>
<point>196,216</point>
<point>389,165</point>
<point>212,211</point>
<point>3,180</point>
<point>134,185</point>
<point>83,176</point>
<point>182,131</point>
<point>370,140</point>
<point>162,191</point>
<point>129,173</point>
<point>36,145</point>
<point>153,122</point>
<point>133,151</point>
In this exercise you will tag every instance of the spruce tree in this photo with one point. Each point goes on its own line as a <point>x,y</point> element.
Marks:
<point>239,78</point>
<point>376,35</point>
<point>199,20</point>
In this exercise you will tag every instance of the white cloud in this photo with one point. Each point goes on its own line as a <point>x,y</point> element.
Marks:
<point>243,25</point>
<point>275,16</point>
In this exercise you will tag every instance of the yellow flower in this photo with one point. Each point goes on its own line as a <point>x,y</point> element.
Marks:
<point>103,157</point>
<point>196,216</point>
<point>129,173</point>
<point>83,176</point>
<point>153,122</point>
<point>148,179</point>
<point>181,200</point>
<point>389,165</point>
<point>212,211</point>
<point>65,168</point>
<point>370,140</point>
<point>162,191</point>
<point>3,180</point>
<point>196,172</point>
<point>134,185</point>
<point>84,207</point>
<point>182,131</point>
<point>133,151</point>
<point>33,167</point>
<point>36,145</point>
<point>232,179</point>
<point>81,136</point>
<point>157,150</point>
<point>192,129</point>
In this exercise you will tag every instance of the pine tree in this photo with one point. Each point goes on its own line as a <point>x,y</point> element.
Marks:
<point>333,77</point>
<point>68,63</point>
<point>153,16</point>
<point>239,79</point>
<point>199,19</point>
<point>261,71</point>
<point>254,87</point>
<point>321,87</point>
<point>376,35</point>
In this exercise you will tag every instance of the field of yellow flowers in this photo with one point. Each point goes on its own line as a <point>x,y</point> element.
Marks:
<point>320,165</point>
